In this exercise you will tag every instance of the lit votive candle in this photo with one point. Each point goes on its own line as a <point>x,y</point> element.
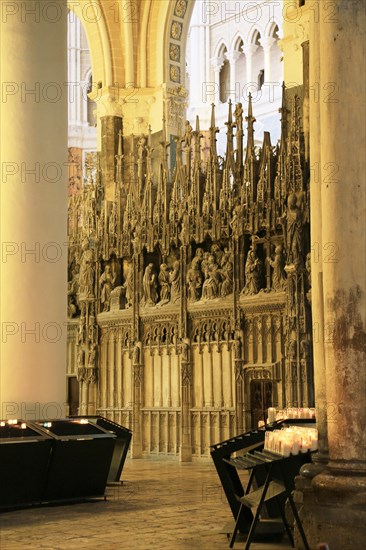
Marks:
<point>271,415</point>
<point>295,448</point>
<point>286,449</point>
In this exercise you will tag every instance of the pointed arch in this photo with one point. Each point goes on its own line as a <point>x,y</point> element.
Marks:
<point>96,31</point>
<point>235,43</point>
<point>270,29</point>
<point>220,48</point>
<point>253,35</point>
<point>166,25</point>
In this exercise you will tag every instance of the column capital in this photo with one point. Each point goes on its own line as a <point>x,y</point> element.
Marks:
<point>217,63</point>
<point>232,55</point>
<point>267,42</point>
<point>249,49</point>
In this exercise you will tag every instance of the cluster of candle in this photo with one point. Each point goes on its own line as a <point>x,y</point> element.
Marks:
<point>12,422</point>
<point>291,412</point>
<point>292,440</point>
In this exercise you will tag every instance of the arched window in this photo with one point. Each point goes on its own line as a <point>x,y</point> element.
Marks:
<point>241,75</point>
<point>258,61</point>
<point>226,58</point>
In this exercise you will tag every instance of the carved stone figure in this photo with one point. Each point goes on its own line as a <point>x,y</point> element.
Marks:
<point>149,287</point>
<point>217,253</point>
<point>128,285</point>
<point>185,352</point>
<point>107,282</point>
<point>81,331</point>
<point>188,134</point>
<point>238,114</point>
<point>292,346</point>
<point>174,279</point>
<point>92,355</point>
<point>199,254</point>
<point>72,291</point>
<point>92,329</point>
<point>204,264</point>
<point>279,274</point>
<point>136,354</point>
<point>164,282</point>
<point>73,284</point>
<point>136,241</point>
<point>227,275</point>
<point>86,275</point>
<point>253,272</point>
<point>210,288</point>
<point>194,281</point>
<point>140,149</point>
<point>235,220</point>
<point>294,231</point>
<point>184,234</point>
<point>237,349</point>
<point>71,307</point>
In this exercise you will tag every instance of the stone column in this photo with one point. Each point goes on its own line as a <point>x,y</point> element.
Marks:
<point>316,241</point>
<point>137,367</point>
<point>249,51</point>
<point>110,126</point>
<point>185,451</point>
<point>33,208</point>
<point>342,117</point>
<point>337,510</point>
<point>267,43</point>
<point>305,103</point>
<point>239,382</point>
<point>217,63</point>
<point>232,57</point>
<point>110,372</point>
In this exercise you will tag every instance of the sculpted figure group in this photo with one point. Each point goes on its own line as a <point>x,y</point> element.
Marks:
<point>210,274</point>
<point>159,290</point>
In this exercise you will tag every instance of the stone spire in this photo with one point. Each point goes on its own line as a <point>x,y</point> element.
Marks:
<point>250,163</point>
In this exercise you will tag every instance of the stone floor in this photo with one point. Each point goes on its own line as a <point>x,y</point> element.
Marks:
<point>162,504</point>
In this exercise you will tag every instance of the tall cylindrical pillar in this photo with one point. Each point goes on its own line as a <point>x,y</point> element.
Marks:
<point>337,509</point>
<point>33,208</point>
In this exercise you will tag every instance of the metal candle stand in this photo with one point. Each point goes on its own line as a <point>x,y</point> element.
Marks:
<point>276,485</point>
<point>227,470</point>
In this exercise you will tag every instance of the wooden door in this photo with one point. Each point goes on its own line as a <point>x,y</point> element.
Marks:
<point>73,395</point>
<point>260,400</point>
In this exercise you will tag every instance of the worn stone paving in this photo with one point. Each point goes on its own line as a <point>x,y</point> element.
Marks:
<point>162,504</point>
